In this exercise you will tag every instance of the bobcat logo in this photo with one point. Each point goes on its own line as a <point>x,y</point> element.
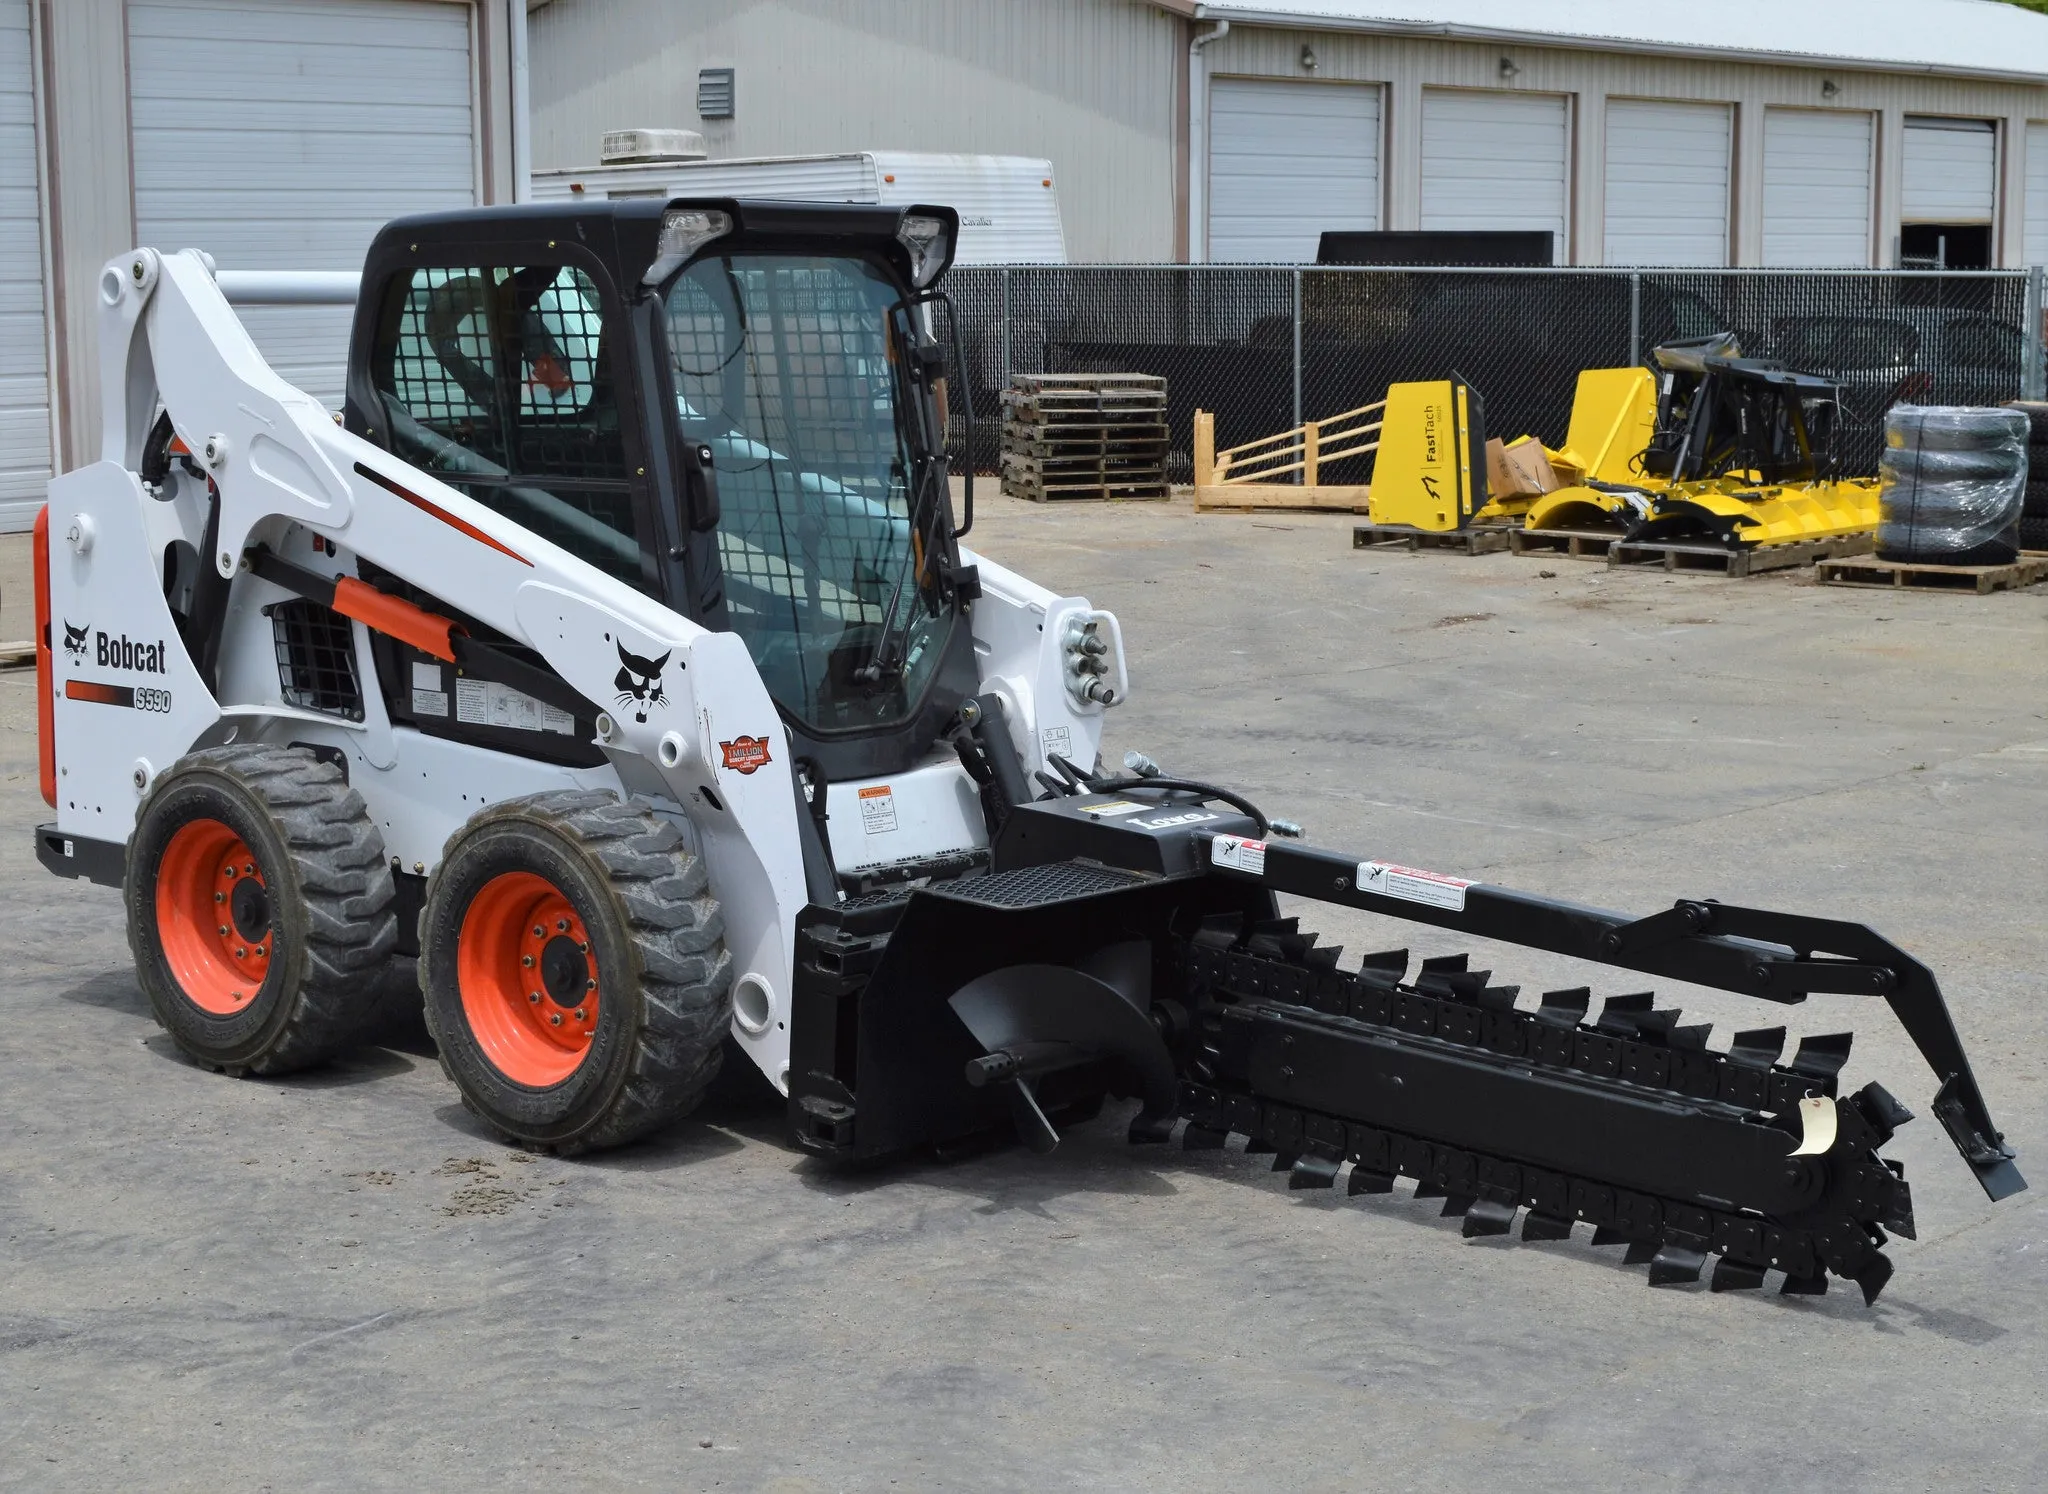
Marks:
<point>74,640</point>
<point>639,682</point>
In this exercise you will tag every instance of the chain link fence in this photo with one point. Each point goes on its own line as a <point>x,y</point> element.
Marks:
<point>1265,347</point>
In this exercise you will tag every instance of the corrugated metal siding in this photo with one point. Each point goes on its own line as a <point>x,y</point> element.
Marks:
<point>1008,205</point>
<point>1088,83</point>
<point>24,347</point>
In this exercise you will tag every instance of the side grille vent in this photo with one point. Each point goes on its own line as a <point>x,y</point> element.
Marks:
<point>316,659</point>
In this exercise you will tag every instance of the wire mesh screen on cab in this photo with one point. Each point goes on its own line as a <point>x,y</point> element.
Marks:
<point>498,380</point>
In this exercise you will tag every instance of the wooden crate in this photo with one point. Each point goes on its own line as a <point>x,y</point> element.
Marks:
<point>1726,560</point>
<point>1980,580</point>
<point>1085,436</point>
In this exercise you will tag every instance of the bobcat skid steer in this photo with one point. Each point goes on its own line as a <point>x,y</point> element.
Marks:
<point>615,658</point>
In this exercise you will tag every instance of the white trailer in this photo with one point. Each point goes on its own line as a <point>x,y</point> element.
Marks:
<point>1009,207</point>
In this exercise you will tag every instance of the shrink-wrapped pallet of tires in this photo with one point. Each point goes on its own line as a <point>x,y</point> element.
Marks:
<point>1953,477</point>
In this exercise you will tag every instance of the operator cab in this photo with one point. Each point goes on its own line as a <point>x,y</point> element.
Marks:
<point>737,407</point>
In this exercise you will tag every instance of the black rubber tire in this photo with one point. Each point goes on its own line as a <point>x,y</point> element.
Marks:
<point>2034,504</point>
<point>1954,427</point>
<point>656,939</point>
<point>2034,532</point>
<point>2036,412</point>
<point>332,928</point>
<point>1932,467</point>
<point>2003,548</point>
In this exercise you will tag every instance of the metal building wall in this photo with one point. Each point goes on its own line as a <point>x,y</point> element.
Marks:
<point>1406,66</point>
<point>1092,84</point>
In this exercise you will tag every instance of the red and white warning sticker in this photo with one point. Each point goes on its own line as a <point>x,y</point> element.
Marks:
<point>1413,886</point>
<point>1239,854</point>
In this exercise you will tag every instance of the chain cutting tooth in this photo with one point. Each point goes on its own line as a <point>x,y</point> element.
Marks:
<point>1537,1226</point>
<point>1312,1170</point>
<point>1488,1216</point>
<point>1640,1252</point>
<point>1283,1161</point>
<point>1565,1008</point>
<point>1880,1110</point>
<point>1821,1057</point>
<point>1499,998</point>
<point>1219,931</point>
<point>1758,1048</point>
<point>1605,1234</point>
<point>1676,1263</point>
<point>1392,962</point>
<point>1815,1285</point>
<point>1619,1014</point>
<point>1734,1276</point>
<point>1456,1204</point>
<point>1365,1181</point>
<point>1694,1038</point>
<point>1873,1276</point>
<point>1199,1138</point>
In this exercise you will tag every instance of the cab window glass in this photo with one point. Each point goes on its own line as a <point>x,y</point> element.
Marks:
<point>497,380</point>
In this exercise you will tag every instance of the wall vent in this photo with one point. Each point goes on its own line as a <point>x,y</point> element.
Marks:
<point>714,93</point>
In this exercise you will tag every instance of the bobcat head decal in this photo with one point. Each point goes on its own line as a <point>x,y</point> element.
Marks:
<point>74,640</point>
<point>639,682</point>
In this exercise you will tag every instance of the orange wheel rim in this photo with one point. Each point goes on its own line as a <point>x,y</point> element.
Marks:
<point>213,917</point>
<point>529,985</point>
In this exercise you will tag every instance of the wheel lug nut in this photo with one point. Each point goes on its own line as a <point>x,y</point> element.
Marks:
<point>223,931</point>
<point>538,931</point>
<point>220,897</point>
<point>580,1016</point>
<point>241,953</point>
<point>554,1019</point>
<point>249,870</point>
<point>590,983</point>
<point>583,945</point>
<point>534,997</point>
<point>561,925</point>
<point>527,961</point>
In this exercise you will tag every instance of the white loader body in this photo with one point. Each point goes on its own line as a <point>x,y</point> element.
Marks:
<point>700,740</point>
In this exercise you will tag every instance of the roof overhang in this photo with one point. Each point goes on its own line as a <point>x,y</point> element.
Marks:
<point>1589,41</point>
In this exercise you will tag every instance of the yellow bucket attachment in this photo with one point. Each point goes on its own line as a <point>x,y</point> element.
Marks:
<point>1737,513</point>
<point>1614,414</point>
<point>1430,470</point>
<point>1587,508</point>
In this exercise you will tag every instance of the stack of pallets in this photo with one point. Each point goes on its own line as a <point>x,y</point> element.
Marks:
<point>1084,436</point>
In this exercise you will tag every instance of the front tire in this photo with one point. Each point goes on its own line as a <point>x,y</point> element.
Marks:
<point>259,908</point>
<point>574,972</point>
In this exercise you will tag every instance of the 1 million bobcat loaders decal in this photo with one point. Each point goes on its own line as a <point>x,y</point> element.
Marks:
<point>923,922</point>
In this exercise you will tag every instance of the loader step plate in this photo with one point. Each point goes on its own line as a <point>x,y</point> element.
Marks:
<point>1627,1122</point>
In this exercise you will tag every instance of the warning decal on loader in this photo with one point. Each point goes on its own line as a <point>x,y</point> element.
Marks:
<point>1239,854</point>
<point>1412,886</point>
<point>877,810</point>
<point>488,703</point>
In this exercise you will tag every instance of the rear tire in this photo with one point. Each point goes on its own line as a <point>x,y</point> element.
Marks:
<point>609,1021</point>
<point>259,908</point>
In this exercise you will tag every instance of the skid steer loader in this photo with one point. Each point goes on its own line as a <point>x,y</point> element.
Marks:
<point>616,658</point>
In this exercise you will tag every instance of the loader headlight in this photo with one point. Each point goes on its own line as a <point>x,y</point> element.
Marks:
<point>683,233</point>
<point>929,245</point>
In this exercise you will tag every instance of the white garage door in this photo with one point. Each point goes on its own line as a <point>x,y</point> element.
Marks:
<point>1286,162</point>
<point>1817,165</point>
<point>2037,193</point>
<point>1496,160</point>
<point>1667,183</point>
<point>24,349</point>
<point>321,122</point>
<point>1951,171</point>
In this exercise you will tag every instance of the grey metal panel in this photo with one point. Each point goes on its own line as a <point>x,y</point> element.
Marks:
<point>1667,182</point>
<point>342,115</point>
<point>1288,160</point>
<point>1089,84</point>
<point>24,343</point>
<point>1818,192</point>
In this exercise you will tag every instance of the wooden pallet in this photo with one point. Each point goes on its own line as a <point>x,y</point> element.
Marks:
<point>1057,489</point>
<point>1480,539</point>
<point>1733,561</point>
<point>1085,436</point>
<point>1573,544</point>
<point>1981,580</point>
<point>1260,497</point>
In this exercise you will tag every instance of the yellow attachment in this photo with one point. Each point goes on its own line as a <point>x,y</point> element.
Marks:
<point>1582,508</point>
<point>1614,414</point>
<point>1771,516</point>
<point>1421,477</point>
